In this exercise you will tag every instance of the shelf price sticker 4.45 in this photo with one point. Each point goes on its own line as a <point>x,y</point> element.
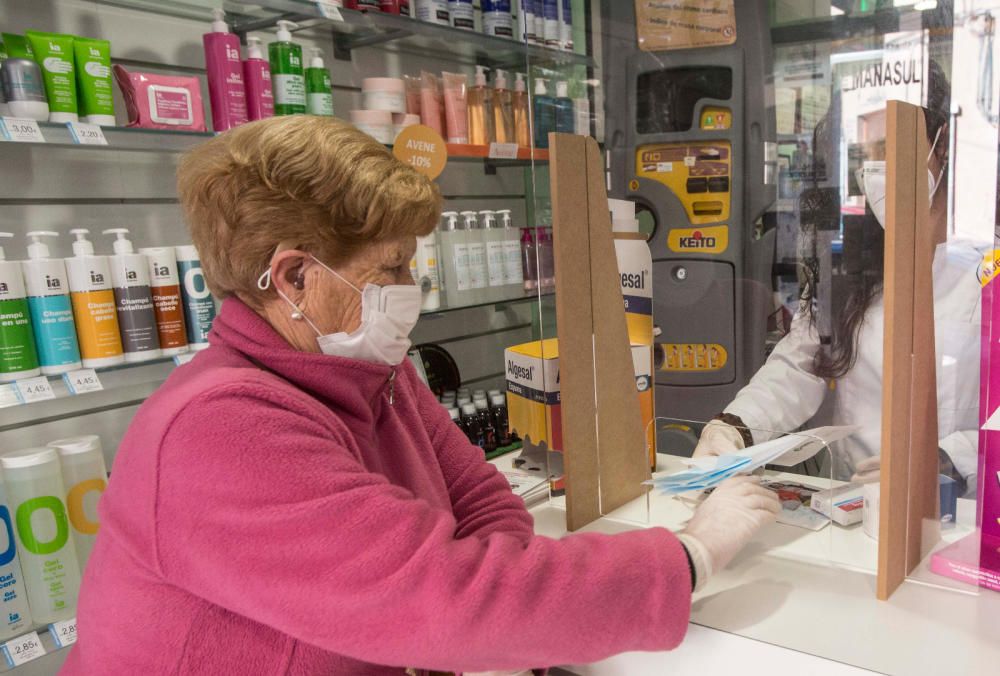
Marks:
<point>20,130</point>
<point>423,149</point>
<point>22,649</point>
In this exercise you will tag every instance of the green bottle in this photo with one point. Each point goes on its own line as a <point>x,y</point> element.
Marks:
<point>18,358</point>
<point>319,91</point>
<point>287,76</point>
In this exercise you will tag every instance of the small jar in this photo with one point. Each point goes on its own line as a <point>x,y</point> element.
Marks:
<point>384,93</point>
<point>375,123</point>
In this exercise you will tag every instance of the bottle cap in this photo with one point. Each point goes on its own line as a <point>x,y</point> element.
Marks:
<point>481,76</point>
<point>29,457</point>
<point>37,249</point>
<point>498,400</point>
<point>4,235</point>
<point>81,245</point>
<point>122,245</point>
<point>75,445</point>
<point>285,29</point>
<point>505,218</point>
<point>254,49</point>
<point>540,89</point>
<point>219,21</point>
<point>316,58</point>
<point>562,89</point>
<point>493,393</point>
<point>471,223</point>
<point>449,221</point>
<point>501,79</point>
<point>453,412</point>
<point>469,408</point>
<point>519,85</point>
<point>481,404</point>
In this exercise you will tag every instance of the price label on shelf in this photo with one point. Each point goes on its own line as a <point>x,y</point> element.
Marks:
<point>23,649</point>
<point>63,633</point>
<point>503,151</point>
<point>183,358</point>
<point>21,130</point>
<point>82,381</point>
<point>8,395</point>
<point>87,134</point>
<point>330,10</point>
<point>35,389</point>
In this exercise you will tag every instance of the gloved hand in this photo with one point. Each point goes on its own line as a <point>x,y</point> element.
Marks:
<point>723,524</point>
<point>718,438</point>
<point>868,470</point>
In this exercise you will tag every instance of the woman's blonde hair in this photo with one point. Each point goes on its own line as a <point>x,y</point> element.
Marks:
<point>315,183</point>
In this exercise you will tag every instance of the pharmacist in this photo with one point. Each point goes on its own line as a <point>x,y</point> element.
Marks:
<point>295,500</point>
<point>800,374</point>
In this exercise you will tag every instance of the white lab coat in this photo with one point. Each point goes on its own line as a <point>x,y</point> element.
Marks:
<point>784,394</point>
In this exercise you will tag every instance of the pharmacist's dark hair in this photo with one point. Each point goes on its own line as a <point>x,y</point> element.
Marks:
<point>863,282</point>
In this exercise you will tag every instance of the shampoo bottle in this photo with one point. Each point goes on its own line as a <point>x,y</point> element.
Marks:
<point>455,256</point>
<point>257,76</point>
<point>93,304</point>
<point>427,271</point>
<point>480,105</point>
<point>134,298</point>
<point>86,477</point>
<point>478,274</point>
<point>529,260</point>
<point>45,545</point>
<point>565,115</point>
<point>319,90</point>
<point>503,110</point>
<point>512,254</point>
<point>522,113</point>
<point>545,114</point>
<point>225,75</point>
<point>546,260</point>
<point>287,74</point>
<point>15,616</point>
<point>18,358</point>
<point>199,306</point>
<point>51,309</point>
<point>166,289</point>
<point>496,262</point>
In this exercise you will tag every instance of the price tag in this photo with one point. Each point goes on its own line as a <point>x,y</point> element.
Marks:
<point>21,130</point>
<point>23,649</point>
<point>330,10</point>
<point>8,395</point>
<point>63,633</point>
<point>87,134</point>
<point>183,358</point>
<point>84,380</point>
<point>503,151</point>
<point>35,389</point>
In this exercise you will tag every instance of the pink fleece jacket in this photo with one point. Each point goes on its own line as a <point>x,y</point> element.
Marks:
<point>272,512</point>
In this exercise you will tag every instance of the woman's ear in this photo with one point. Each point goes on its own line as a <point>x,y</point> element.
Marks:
<point>288,270</point>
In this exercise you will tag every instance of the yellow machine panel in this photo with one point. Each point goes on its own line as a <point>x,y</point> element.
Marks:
<point>699,173</point>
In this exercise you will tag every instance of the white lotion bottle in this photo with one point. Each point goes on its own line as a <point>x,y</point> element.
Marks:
<point>496,268</point>
<point>428,276</point>
<point>478,272</point>
<point>512,254</point>
<point>15,614</point>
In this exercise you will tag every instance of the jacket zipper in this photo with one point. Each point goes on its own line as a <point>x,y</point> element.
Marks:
<point>392,386</point>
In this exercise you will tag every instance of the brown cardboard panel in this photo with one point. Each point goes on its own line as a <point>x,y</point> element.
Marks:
<point>575,320</point>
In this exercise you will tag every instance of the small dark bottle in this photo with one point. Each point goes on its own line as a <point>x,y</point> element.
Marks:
<point>472,424</point>
<point>486,424</point>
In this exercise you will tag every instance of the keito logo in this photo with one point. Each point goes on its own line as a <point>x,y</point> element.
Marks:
<point>518,371</point>
<point>713,239</point>
<point>698,241</point>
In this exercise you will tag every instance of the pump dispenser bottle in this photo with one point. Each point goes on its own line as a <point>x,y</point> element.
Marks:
<point>287,74</point>
<point>136,312</point>
<point>565,122</point>
<point>545,114</point>
<point>165,286</point>
<point>480,103</point>
<point>478,272</point>
<point>225,75</point>
<point>18,358</point>
<point>512,254</point>
<point>51,311</point>
<point>257,77</point>
<point>522,114</point>
<point>503,110</point>
<point>93,304</point>
<point>455,259</point>
<point>319,90</point>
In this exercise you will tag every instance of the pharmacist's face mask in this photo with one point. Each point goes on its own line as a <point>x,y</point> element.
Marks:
<point>388,315</point>
<point>871,178</point>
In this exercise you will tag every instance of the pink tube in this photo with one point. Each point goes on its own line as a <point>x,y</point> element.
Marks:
<point>455,110</point>
<point>430,102</point>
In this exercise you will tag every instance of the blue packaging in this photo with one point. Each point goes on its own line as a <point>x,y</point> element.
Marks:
<point>553,30</point>
<point>199,306</point>
<point>567,25</point>
<point>51,309</point>
<point>462,14</point>
<point>526,21</point>
<point>497,19</point>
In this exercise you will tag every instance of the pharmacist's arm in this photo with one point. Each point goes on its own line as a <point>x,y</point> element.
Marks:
<point>481,498</point>
<point>291,531</point>
<point>784,394</point>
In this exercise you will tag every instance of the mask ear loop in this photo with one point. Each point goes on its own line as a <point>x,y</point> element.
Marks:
<point>264,283</point>
<point>335,273</point>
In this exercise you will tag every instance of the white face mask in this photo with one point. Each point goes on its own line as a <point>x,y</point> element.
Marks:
<point>388,314</point>
<point>871,178</point>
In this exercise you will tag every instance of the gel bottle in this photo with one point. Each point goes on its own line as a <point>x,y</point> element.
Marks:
<point>18,358</point>
<point>319,90</point>
<point>93,304</point>
<point>15,616</point>
<point>287,74</point>
<point>134,298</point>
<point>51,310</point>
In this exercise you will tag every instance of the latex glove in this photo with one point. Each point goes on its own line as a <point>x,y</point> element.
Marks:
<point>723,524</point>
<point>868,470</point>
<point>718,438</point>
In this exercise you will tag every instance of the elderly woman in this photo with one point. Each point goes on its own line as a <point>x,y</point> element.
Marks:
<point>295,501</point>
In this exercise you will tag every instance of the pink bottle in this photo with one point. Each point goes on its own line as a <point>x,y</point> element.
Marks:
<point>225,75</point>
<point>257,75</point>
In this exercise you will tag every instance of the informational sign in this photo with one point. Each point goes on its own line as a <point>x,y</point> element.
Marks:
<point>503,151</point>
<point>20,130</point>
<point>684,24</point>
<point>423,149</point>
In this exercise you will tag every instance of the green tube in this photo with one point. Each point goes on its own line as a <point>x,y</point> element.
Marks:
<point>93,79</point>
<point>17,46</point>
<point>54,53</point>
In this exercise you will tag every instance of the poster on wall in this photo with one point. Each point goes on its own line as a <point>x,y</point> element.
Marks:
<point>683,24</point>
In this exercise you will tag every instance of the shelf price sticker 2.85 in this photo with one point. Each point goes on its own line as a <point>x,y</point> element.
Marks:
<point>423,149</point>
<point>22,649</point>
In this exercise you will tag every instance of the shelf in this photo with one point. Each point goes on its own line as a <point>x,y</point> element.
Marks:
<point>524,155</point>
<point>132,139</point>
<point>361,29</point>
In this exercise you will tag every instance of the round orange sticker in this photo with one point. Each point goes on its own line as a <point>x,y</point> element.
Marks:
<point>422,148</point>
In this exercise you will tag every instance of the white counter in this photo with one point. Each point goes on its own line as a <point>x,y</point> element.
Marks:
<point>814,592</point>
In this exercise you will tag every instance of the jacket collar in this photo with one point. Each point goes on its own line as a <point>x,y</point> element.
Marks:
<point>350,386</point>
